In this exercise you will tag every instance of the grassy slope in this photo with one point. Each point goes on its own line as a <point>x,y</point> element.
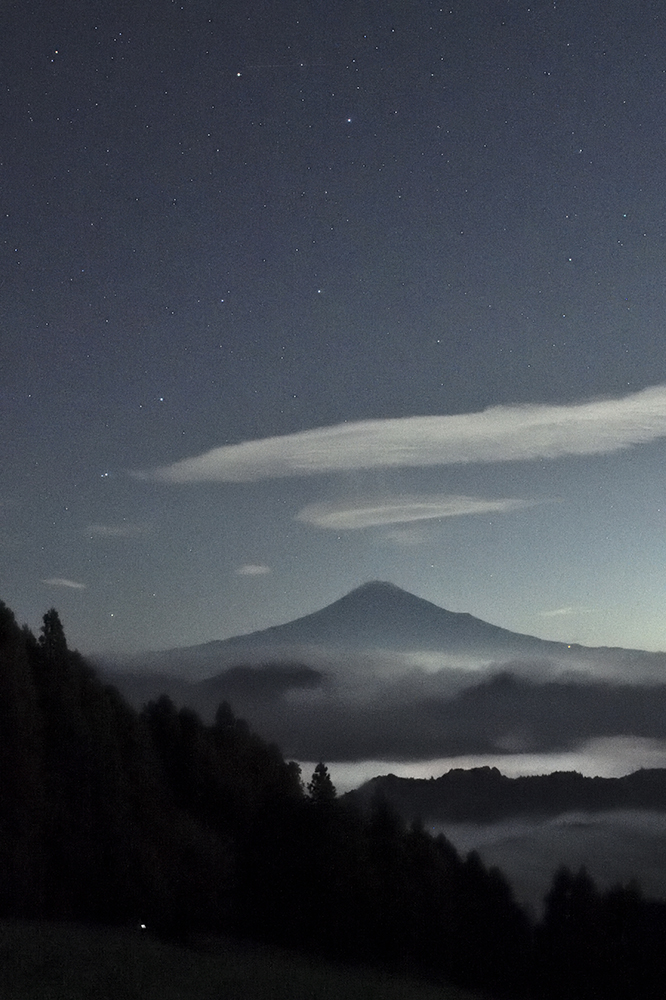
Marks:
<point>44,961</point>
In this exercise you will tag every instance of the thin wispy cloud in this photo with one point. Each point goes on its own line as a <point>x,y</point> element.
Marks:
<point>498,434</point>
<point>253,569</point>
<point>59,581</point>
<point>351,515</point>
<point>562,612</point>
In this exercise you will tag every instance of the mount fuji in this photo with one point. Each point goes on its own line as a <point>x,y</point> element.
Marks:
<point>383,674</point>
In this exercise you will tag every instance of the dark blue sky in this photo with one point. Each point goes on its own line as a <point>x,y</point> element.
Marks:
<point>226,222</point>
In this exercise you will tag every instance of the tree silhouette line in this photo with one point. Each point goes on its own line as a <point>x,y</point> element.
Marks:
<point>485,795</point>
<point>115,816</point>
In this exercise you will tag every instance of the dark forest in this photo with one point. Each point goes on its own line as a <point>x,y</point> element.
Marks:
<point>116,817</point>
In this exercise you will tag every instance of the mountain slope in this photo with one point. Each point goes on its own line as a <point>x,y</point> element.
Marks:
<point>380,616</point>
<point>374,616</point>
<point>484,795</point>
<point>383,674</point>
<point>383,616</point>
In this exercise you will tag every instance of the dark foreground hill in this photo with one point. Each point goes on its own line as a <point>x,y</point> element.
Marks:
<point>110,816</point>
<point>74,962</point>
<point>615,827</point>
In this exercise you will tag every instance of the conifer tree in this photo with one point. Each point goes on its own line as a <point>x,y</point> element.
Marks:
<point>52,638</point>
<point>320,787</point>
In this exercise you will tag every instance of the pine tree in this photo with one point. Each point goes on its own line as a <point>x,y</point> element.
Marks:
<point>320,787</point>
<point>52,639</point>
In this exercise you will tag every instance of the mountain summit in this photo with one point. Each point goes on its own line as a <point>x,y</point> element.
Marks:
<point>380,615</point>
<point>343,683</point>
<point>376,616</point>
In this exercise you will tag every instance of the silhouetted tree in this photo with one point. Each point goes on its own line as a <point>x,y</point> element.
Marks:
<point>52,640</point>
<point>22,805</point>
<point>570,935</point>
<point>320,787</point>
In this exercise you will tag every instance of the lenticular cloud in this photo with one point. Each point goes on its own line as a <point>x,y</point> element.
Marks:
<point>498,434</point>
<point>59,581</point>
<point>350,515</point>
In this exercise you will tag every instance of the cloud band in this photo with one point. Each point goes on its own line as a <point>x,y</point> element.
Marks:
<point>498,434</point>
<point>400,510</point>
<point>59,581</point>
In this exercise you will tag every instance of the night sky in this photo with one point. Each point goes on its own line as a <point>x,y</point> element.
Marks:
<point>265,267</point>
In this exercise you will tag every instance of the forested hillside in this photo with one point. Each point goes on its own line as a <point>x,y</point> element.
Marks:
<point>114,816</point>
<point>485,795</point>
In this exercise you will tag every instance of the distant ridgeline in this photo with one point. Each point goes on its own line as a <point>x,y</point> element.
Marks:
<point>484,795</point>
<point>113,816</point>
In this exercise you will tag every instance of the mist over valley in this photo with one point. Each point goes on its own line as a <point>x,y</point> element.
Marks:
<point>382,681</point>
<point>615,847</point>
<point>384,675</point>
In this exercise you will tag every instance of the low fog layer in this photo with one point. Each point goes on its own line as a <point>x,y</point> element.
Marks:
<point>609,757</point>
<point>379,627</point>
<point>615,848</point>
<point>383,674</point>
<point>373,711</point>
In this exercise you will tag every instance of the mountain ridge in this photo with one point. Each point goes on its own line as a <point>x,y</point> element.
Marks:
<point>383,674</point>
<point>375,608</point>
<point>378,617</point>
<point>485,795</point>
